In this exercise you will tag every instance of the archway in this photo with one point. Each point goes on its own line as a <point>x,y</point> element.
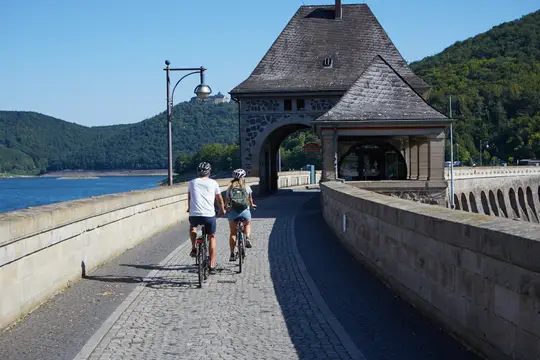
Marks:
<point>268,156</point>
<point>372,158</point>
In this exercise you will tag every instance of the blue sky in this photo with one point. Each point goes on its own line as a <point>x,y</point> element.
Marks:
<point>100,62</point>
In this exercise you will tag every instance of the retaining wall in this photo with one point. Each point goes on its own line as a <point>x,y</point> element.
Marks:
<point>479,276</point>
<point>44,249</point>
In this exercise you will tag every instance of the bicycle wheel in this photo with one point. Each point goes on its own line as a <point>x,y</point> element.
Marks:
<point>240,238</point>
<point>206,263</point>
<point>200,263</point>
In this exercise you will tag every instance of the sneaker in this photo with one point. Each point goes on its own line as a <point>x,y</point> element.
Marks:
<point>212,271</point>
<point>248,243</point>
<point>193,253</point>
<point>233,257</point>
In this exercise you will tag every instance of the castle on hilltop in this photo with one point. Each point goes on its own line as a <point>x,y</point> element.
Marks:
<point>216,99</point>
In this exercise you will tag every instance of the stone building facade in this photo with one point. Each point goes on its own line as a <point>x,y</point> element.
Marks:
<point>339,56</point>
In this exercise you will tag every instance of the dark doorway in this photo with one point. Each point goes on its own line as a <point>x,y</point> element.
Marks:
<point>268,158</point>
<point>372,159</point>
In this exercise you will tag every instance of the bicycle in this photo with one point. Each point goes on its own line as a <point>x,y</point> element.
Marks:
<point>240,243</point>
<point>202,259</point>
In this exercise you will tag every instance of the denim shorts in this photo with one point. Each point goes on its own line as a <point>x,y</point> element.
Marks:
<point>208,222</point>
<point>232,215</point>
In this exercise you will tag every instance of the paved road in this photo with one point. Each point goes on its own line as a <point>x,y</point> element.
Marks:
<point>60,327</point>
<point>301,297</point>
<point>382,325</point>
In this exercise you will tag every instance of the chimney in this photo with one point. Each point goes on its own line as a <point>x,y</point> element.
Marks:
<point>339,10</point>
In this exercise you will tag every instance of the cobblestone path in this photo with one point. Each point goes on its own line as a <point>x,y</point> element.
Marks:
<point>235,316</point>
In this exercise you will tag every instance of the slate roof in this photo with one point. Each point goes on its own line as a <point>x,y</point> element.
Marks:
<point>295,60</point>
<point>380,93</point>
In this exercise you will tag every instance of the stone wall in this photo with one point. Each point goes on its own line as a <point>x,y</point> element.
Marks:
<point>44,249</point>
<point>509,192</point>
<point>260,117</point>
<point>477,275</point>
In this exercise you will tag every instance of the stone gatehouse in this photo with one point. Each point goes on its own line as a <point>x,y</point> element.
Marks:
<point>339,57</point>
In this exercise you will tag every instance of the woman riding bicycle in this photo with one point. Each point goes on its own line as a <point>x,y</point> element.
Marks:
<point>239,199</point>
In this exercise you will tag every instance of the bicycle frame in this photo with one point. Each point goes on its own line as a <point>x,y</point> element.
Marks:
<point>203,258</point>
<point>240,242</point>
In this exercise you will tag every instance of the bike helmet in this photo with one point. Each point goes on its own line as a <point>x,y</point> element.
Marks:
<point>239,174</point>
<point>204,169</point>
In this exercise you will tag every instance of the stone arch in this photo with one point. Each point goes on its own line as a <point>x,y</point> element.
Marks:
<point>256,127</point>
<point>502,204</point>
<point>485,205</point>
<point>456,202</point>
<point>472,200</point>
<point>513,202</point>
<point>521,198</point>
<point>464,203</point>
<point>493,203</point>
<point>530,202</point>
<point>376,150</point>
<point>267,154</point>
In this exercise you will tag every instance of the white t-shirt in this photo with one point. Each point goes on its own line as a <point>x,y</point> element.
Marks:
<point>202,192</point>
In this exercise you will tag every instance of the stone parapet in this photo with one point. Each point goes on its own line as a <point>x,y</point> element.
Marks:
<point>477,275</point>
<point>491,171</point>
<point>44,249</point>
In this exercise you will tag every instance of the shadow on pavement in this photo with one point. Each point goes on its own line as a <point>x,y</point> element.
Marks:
<point>382,325</point>
<point>151,282</point>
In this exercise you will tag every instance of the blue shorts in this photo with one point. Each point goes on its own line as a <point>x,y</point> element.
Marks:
<point>232,215</point>
<point>208,222</point>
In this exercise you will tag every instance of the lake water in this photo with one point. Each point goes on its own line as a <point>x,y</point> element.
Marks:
<point>20,193</point>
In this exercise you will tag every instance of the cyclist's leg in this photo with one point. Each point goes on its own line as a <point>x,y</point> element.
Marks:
<point>210,224</point>
<point>194,221</point>
<point>246,214</point>
<point>231,215</point>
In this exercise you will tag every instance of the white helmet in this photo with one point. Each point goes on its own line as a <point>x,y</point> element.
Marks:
<point>239,174</point>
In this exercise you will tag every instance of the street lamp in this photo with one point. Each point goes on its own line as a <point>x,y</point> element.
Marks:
<point>486,143</point>
<point>202,91</point>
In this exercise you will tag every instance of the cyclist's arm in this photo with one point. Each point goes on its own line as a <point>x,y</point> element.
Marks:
<point>188,199</point>
<point>250,197</point>
<point>219,198</point>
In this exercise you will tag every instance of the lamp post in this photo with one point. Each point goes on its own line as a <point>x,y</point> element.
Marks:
<point>483,142</point>
<point>202,91</point>
<point>452,205</point>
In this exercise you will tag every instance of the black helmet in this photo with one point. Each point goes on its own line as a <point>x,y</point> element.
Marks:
<point>204,169</point>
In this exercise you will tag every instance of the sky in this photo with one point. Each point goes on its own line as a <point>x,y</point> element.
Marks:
<point>100,62</point>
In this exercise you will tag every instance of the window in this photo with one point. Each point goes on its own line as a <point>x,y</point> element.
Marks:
<point>300,104</point>
<point>288,105</point>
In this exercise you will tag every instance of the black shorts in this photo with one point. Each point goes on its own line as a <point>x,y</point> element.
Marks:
<point>208,222</point>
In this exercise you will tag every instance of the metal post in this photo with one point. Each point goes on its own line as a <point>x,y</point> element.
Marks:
<point>481,154</point>
<point>169,126</point>
<point>335,145</point>
<point>452,205</point>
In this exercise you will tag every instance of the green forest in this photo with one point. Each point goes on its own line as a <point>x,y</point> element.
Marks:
<point>493,79</point>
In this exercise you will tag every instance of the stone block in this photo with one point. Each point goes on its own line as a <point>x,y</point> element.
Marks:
<point>475,288</point>
<point>529,314</point>
<point>526,345</point>
<point>509,276</point>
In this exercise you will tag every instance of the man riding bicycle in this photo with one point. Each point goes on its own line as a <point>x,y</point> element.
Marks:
<point>239,200</point>
<point>202,193</point>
